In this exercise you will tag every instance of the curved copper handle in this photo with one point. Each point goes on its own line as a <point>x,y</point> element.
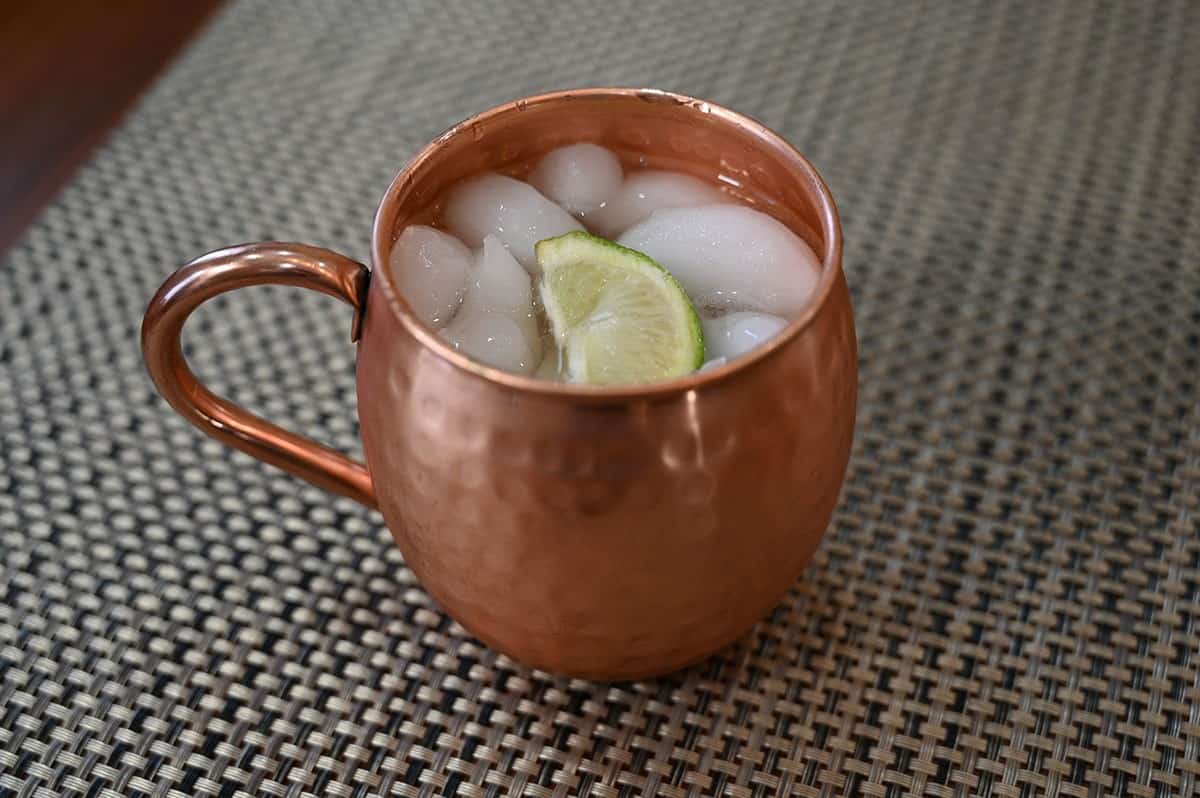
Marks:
<point>272,263</point>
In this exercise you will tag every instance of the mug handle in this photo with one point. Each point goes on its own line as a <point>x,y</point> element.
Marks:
<point>269,263</point>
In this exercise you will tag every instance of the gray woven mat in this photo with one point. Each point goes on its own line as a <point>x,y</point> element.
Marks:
<point>1008,601</point>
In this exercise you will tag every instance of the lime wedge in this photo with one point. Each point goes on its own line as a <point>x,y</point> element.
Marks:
<point>617,315</point>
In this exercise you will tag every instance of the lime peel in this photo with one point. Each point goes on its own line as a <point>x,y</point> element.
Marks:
<point>617,315</point>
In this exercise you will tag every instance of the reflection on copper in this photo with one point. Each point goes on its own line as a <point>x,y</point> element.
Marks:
<point>239,267</point>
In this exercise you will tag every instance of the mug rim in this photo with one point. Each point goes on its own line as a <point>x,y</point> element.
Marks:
<point>831,261</point>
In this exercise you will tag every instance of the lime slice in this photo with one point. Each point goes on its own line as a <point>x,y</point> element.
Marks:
<point>617,315</point>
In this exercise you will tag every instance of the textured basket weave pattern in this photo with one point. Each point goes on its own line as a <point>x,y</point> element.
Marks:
<point>1008,601</point>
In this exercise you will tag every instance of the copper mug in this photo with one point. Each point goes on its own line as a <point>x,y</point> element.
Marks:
<point>610,533</point>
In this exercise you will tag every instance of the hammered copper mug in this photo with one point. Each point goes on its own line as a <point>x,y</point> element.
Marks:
<point>601,532</point>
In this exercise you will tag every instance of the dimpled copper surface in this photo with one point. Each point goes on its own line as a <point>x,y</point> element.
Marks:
<point>610,533</point>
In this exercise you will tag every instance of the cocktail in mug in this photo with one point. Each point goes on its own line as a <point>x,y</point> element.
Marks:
<point>619,510</point>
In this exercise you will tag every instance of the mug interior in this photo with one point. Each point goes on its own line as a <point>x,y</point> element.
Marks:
<point>646,128</point>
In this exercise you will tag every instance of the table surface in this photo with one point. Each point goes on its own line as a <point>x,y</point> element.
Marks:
<point>71,70</point>
<point>1007,602</point>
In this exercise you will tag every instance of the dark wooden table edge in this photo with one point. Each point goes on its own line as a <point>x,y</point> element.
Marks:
<point>14,221</point>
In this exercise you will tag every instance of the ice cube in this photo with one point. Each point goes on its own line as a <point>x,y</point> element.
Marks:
<point>734,334</point>
<point>730,257</point>
<point>642,193</point>
<point>715,363</point>
<point>579,177</point>
<point>514,211</point>
<point>497,283</point>
<point>550,368</point>
<point>430,269</point>
<point>493,339</point>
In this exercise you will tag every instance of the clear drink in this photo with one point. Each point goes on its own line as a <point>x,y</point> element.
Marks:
<point>474,269</point>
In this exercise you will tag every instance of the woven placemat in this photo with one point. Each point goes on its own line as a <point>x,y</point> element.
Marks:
<point>1008,599</point>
